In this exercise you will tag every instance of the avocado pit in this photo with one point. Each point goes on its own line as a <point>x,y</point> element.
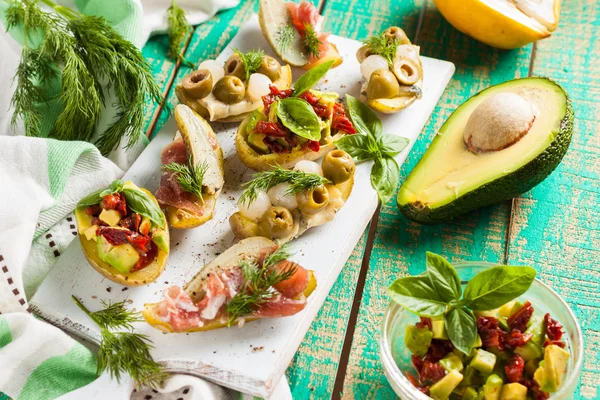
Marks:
<point>498,123</point>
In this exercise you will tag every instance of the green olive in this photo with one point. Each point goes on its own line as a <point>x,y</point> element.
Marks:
<point>393,32</point>
<point>229,89</point>
<point>270,67</point>
<point>277,222</point>
<point>364,52</point>
<point>242,227</point>
<point>234,66</point>
<point>314,200</point>
<point>338,166</point>
<point>383,85</point>
<point>198,84</point>
<point>407,70</point>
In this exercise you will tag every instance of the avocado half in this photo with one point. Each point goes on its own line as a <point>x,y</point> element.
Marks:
<point>451,180</point>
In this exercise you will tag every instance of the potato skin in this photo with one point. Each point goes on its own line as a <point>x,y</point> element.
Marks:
<point>138,278</point>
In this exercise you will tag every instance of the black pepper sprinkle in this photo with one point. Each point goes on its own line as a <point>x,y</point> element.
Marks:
<point>108,289</point>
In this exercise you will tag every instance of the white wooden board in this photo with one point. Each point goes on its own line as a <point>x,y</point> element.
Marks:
<point>251,359</point>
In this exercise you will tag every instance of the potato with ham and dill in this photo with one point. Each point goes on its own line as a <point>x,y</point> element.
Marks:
<point>192,176</point>
<point>486,345</point>
<point>123,233</point>
<point>251,280</point>
<point>292,125</point>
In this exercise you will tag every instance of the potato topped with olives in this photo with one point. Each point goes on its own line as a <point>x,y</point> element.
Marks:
<point>392,70</point>
<point>232,91</point>
<point>282,204</point>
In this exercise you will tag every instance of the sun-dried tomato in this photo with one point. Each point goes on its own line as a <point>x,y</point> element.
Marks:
<point>146,258</point>
<point>514,368</point>
<point>98,221</point>
<point>115,201</point>
<point>340,120</point>
<point>431,372</point>
<point>269,129</point>
<point>275,146</point>
<point>533,387</point>
<point>114,236</point>
<point>140,242</point>
<point>516,339</point>
<point>558,343</point>
<point>313,145</point>
<point>320,109</point>
<point>520,319</point>
<point>93,210</point>
<point>491,335</point>
<point>132,222</point>
<point>274,95</point>
<point>417,362</point>
<point>553,328</point>
<point>438,350</point>
<point>424,323</point>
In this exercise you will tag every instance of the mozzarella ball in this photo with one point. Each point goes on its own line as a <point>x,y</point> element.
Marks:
<point>215,68</point>
<point>255,209</point>
<point>258,86</point>
<point>408,50</point>
<point>279,197</point>
<point>372,64</point>
<point>309,166</point>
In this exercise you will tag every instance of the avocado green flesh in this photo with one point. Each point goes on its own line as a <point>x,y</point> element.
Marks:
<point>122,257</point>
<point>450,180</point>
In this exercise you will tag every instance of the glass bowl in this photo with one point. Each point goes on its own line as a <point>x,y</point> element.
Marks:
<point>395,357</point>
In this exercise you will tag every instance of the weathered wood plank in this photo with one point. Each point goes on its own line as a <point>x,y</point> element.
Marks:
<point>555,227</point>
<point>399,246</point>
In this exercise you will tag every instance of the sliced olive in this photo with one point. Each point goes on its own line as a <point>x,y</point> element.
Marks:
<point>338,166</point>
<point>270,67</point>
<point>277,222</point>
<point>407,70</point>
<point>382,85</point>
<point>229,89</point>
<point>198,84</point>
<point>314,200</point>
<point>364,52</point>
<point>393,32</point>
<point>234,66</point>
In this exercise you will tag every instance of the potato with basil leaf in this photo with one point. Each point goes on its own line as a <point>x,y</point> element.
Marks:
<point>292,125</point>
<point>123,233</point>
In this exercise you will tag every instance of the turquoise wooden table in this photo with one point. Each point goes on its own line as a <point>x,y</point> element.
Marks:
<point>555,227</point>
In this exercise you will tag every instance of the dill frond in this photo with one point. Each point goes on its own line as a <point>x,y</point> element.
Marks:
<point>312,42</point>
<point>189,176</point>
<point>285,37</point>
<point>380,45</point>
<point>251,60</point>
<point>178,30</point>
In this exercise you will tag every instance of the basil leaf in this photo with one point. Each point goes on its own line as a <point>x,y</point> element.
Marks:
<point>363,118</point>
<point>384,177</point>
<point>390,145</point>
<point>356,146</point>
<point>142,204</point>
<point>496,286</point>
<point>310,78</point>
<point>462,328</point>
<point>444,278</point>
<point>299,117</point>
<point>96,197</point>
<point>416,295</point>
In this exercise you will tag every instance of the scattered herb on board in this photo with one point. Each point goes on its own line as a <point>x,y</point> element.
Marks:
<point>178,30</point>
<point>189,176</point>
<point>437,292</point>
<point>372,144</point>
<point>251,60</point>
<point>383,47</point>
<point>84,52</point>
<point>121,350</point>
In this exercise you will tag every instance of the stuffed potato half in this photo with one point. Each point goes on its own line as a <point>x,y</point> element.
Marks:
<point>219,295</point>
<point>123,233</point>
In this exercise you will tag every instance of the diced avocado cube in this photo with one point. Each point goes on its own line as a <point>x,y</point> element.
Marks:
<point>417,340</point>
<point>472,377</point>
<point>439,329</point>
<point>90,233</point>
<point>500,355</point>
<point>499,370</point>
<point>483,361</point>
<point>452,362</point>
<point>255,140</point>
<point>530,367</point>
<point>492,387</point>
<point>111,217</point>
<point>442,389</point>
<point>478,342</point>
<point>470,394</point>
<point>461,356</point>
<point>145,226</point>
<point>506,310</point>
<point>513,391</point>
<point>159,237</point>
<point>122,257</point>
<point>552,370</point>
<point>486,313</point>
<point>529,351</point>
<point>503,324</point>
<point>84,221</point>
<point>537,329</point>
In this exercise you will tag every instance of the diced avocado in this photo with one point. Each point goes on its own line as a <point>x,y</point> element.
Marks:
<point>500,355</point>
<point>257,115</point>
<point>499,370</point>
<point>470,394</point>
<point>506,310</point>
<point>503,324</point>
<point>483,361</point>
<point>255,140</point>
<point>111,217</point>
<point>452,362</point>
<point>160,239</point>
<point>122,257</point>
<point>492,387</point>
<point>472,377</point>
<point>461,356</point>
<point>486,313</point>
<point>145,226</point>
<point>513,391</point>
<point>530,367</point>
<point>450,179</point>
<point>84,221</point>
<point>90,233</point>
<point>537,329</point>
<point>417,340</point>
<point>439,329</point>
<point>328,98</point>
<point>272,117</point>
<point>551,372</point>
<point>441,389</point>
<point>478,342</point>
<point>530,351</point>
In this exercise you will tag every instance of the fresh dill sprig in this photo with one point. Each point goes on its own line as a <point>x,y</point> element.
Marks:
<point>299,181</point>
<point>251,60</point>
<point>189,176</point>
<point>258,284</point>
<point>124,351</point>
<point>312,42</point>
<point>178,30</point>
<point>285,37</point>
<point>382,46</point>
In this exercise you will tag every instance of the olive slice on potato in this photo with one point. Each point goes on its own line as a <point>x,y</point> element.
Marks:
<point>234,66</point>
<point>393,32</point>
<point>270,67</point>
<point>198,84</point>
<point>383,85</point>
<point>407,71</point>
<point>338,166</point>
<point>229,89</point>
<point>314,200</point>
<point>277,222</point>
